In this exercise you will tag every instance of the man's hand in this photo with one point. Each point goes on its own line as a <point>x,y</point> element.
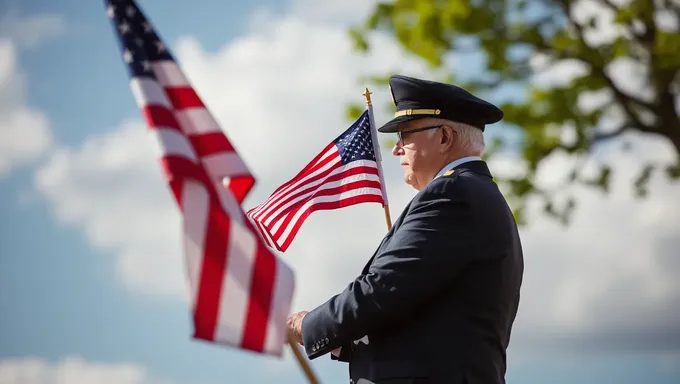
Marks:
<point>295,326</point>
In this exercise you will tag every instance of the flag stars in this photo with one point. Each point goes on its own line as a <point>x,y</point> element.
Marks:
<point>130,11</point>
<point>357,143</point>
<point>124,27</point>
<point>160,46</point>
<point>111,11</point>
<point>147,27</point>
<point>127,56</point>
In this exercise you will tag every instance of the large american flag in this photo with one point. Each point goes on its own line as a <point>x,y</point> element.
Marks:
<point>240,291</point>
<point>344,173</point>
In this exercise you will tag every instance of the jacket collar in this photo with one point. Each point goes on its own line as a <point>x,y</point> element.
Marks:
<point>456,163</point>
<point>479,167</point>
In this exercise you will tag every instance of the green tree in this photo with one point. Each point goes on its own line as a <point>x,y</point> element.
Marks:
<point>509,33</point>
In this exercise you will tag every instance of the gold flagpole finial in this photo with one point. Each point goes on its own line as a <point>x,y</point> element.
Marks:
<point>367,95</point>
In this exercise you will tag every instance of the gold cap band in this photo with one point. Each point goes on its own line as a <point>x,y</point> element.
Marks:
<point>409,112</point>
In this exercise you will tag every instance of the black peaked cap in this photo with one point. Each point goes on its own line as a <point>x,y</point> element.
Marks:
<point>417,99</point>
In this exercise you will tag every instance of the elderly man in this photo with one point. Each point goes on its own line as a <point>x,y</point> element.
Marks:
<point>437,300</point>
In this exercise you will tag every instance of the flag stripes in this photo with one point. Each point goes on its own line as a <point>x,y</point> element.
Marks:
<point>240,291</point>
<point>343,173</point>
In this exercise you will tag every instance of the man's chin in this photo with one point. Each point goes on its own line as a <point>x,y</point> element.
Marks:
<point>408,179</point>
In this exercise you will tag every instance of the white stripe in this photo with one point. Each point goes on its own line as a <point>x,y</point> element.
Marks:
<point>262,232</point>
<point>148,92</point>
<point>277,329</point>
<point>323,199</point>
<point>168,141</point>
<point>377,152</point>
<point>169,74</point>
<point>195,121</point>
<point>333,151</point>
<point>229,203</point>
<point>293,188</point>
<point>321,184</point>
<point>224,164</point>
<point>195,204</point>
<point>234,298</point>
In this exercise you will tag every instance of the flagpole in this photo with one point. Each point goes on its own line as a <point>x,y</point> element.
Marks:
<point>378,158</point>
<point>376,149</point>
<point>303,362</point>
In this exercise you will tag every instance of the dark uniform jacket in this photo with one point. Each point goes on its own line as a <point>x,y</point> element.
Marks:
<point>438,298</point>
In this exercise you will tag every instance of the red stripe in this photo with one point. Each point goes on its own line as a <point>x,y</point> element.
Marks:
<point>327,206</point>
<point>159,116</point>
<point>264,234</point>
<point>240,186</point>
<point>183,97</point>
<point>210,143</point>
<point>275,201</point>
<point>311,167</point>
<point>303,191</point>
<point>177,188</point>
<point>261,295</point>
<point>213,270</point>
<point>291,211</point>
<point>280,193</point>
<point>176,167</point>
<point>315,162</point>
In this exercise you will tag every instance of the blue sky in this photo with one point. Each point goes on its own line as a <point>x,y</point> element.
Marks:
<point>90,266</point>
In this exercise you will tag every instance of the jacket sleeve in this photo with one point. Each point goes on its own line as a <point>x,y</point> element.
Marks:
<point>433,244</point>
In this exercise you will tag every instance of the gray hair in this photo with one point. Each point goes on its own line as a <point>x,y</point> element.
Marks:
<point>471,138</point>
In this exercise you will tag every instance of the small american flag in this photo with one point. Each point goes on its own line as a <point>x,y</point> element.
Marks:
<point>344,173</point>
<point>240,291</point>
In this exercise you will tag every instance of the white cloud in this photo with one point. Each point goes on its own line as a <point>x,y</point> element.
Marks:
<point>604,30</point>
<point>72,370</point>
<point>279,92</point>
<point>609,279</point>
<point>24,131</point>
<point>30,31</point>
<point>112,187</point>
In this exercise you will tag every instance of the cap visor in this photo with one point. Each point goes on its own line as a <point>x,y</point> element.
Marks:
<point>392,126</point>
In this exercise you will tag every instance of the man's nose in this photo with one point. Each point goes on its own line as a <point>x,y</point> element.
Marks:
<point>397,149</point>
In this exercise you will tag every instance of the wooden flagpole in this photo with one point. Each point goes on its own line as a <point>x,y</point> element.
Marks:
<point>378,158</point>
<point>304,363</point>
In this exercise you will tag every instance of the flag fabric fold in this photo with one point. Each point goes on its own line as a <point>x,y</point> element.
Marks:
<point>240,291</point>
<point>345,172</point>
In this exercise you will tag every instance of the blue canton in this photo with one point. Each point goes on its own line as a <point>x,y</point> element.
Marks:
<point>137,39</point>
<point>355,143</point>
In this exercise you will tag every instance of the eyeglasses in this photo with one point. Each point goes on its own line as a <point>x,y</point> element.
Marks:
<point>401,135</point>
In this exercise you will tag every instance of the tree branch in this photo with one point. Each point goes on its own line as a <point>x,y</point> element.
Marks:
<point>626,101</point>
<point>610,135</point>
<point>610,5</point>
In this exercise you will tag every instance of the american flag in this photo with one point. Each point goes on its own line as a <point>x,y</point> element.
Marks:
<point>344,173</point>
<point>240,291</point>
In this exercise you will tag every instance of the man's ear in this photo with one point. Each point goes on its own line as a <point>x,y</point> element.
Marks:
<point>447,137</point>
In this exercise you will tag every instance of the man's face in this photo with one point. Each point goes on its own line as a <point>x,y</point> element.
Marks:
<point>418,151</point>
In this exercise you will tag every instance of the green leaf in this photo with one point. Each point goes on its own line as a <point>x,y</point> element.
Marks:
<point>673,171</point>
<point>358,39</point>
<point>354,110</point>
<point>642,180</point>
<point>508,36</point>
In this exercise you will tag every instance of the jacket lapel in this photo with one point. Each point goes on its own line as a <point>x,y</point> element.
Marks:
<point>385,239</point>
<point>479,167</point>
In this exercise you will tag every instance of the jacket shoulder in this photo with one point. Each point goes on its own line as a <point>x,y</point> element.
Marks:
<point>445,184</point>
